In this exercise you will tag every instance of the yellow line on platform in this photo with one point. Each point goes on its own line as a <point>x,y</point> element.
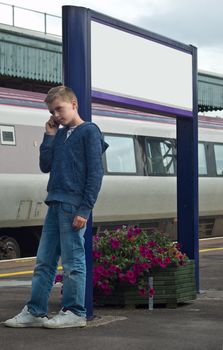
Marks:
<point>209,249</point>
<point>16,273</point>
<point>19,273</point>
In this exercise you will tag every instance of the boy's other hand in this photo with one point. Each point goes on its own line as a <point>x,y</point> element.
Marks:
<point>79,222</point>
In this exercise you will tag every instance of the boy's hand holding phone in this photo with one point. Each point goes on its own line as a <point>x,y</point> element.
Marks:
<point>52,126</point>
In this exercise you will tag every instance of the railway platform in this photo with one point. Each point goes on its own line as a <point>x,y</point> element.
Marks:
<point>194,326</point>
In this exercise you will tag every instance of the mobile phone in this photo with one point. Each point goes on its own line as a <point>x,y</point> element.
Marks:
<point>53,122</point>
<point>56,123</point>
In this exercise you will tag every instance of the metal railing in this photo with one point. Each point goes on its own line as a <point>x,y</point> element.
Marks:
<point>30,19</point>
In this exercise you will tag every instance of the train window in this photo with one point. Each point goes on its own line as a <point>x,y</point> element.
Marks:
<point>218,150</point>
<point>120,156</point>
<point>7,135</point>
<point>202,164</point>
<point>161,156</point>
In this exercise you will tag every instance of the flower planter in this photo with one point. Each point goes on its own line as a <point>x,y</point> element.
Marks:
<point>172,285</point>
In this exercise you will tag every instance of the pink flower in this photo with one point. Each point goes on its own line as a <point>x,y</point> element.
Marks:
<point>149,254</point>
<point>106,273</point>
<point>115,243</point>
<point>112,268</point>
<point>97,254</point>
<point>151,292</point>
<point>130,275</point>
<point>96,238</point>
<point>130,233</point>
<point>161,264</point>
<point>137,231</point>
<point>157,260</point>
<point>145,266</point>
<point>104,285</point>
<point>137,268</point>
<point>143,250</point>
<point>121,276</point>
<point>151,244</point>
<point>167,260</point>
<point>118,270</point>
<point>161,250</point>
<point>106,288</point>
<point>58,278</point>
<point>99,269</point>
<point>132,280</point>
<point>142,291</point>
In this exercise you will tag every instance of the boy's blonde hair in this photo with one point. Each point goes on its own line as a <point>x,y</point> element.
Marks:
<point>63,92</point>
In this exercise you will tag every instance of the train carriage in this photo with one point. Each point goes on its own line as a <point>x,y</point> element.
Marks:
<point>139,186</point>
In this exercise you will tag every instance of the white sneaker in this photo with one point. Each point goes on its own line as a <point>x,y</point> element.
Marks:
<point>25,319</point>
<point>66,319</point>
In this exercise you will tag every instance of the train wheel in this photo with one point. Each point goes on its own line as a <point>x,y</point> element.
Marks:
<point>10,248</point>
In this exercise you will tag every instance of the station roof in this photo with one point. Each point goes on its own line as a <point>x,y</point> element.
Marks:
<point>32,55</point>
<point>210,91</point>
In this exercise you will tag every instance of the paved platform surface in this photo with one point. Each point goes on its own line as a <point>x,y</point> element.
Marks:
<point>194,326</point>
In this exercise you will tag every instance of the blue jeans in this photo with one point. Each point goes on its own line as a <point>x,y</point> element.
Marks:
<point>59,238</point>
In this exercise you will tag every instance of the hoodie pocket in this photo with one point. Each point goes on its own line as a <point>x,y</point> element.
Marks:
<point>68,209</point>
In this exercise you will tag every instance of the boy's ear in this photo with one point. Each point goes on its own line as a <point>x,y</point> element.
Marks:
<point>74,104</point>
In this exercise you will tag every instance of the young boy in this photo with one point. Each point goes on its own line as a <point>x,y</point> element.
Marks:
<point>73,156</point>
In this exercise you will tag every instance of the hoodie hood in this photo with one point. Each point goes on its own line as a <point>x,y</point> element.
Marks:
<point>104,145</point>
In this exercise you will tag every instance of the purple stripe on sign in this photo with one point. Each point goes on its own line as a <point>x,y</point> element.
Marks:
<point>140,105</point>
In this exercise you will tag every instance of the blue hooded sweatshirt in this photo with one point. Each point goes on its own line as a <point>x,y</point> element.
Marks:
<point>75,166</point>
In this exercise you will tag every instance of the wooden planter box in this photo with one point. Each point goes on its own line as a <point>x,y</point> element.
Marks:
<point>172,285</point>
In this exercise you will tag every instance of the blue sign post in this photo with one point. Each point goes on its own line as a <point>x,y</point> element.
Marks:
<point>187,180</point>
<point>178,100</point>
<point>77,75</point>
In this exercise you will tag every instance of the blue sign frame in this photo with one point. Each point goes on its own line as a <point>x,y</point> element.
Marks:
<point>76,23</point>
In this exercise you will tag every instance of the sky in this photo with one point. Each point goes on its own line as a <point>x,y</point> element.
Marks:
<point>195,22</point>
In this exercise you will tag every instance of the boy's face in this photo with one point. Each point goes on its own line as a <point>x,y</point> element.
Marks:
<point>63,111</point>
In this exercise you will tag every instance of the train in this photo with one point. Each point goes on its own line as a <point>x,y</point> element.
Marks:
<point>139,186</point>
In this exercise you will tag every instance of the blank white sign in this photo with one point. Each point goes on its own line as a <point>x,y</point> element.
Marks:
<point>127,65</point>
